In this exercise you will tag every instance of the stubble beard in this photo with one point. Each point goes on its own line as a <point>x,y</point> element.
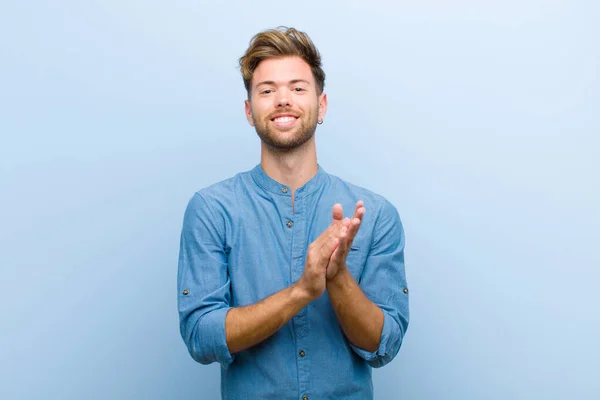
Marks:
<point>269,135</point>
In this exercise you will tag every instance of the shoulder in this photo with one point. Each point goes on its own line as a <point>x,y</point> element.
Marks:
<point>378,204</point>
<point>223,195</point>
<point>226,192</point>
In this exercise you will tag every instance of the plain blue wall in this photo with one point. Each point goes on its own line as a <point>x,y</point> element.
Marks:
<point>480,122</point>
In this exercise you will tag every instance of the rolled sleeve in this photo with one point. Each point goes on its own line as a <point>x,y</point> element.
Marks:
<point>383,281</point>
<point>388,346</point>
<point>208,343</point>
<point>203,284</point>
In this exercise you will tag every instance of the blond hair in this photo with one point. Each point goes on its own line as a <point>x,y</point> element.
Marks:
<point>281,42</point>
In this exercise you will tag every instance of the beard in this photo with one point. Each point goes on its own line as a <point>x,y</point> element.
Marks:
<point>286,140</point>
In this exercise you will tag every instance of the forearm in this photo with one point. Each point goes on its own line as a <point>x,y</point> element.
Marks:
<point>360,318</point>
<point>250,325</point>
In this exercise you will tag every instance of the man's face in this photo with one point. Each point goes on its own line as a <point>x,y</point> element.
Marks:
<point>284,105</point>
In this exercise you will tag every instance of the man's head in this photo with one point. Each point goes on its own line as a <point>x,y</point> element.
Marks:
<point>278,43</point>
<point>284,80</point>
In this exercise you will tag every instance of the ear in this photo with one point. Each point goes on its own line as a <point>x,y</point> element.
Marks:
<point>248,109</point>
<point>322,105</point>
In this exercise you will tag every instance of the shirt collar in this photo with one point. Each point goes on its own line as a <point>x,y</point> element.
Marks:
<point>266,182</point>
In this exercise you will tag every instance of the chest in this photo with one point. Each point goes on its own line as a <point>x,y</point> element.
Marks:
<point>268,243</point>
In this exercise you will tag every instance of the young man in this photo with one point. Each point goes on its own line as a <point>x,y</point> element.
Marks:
<point>291,298</point>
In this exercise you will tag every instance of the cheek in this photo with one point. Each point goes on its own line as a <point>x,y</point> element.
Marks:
<point>258,116</point>
<point>259,111</point>
<point>310,106</point>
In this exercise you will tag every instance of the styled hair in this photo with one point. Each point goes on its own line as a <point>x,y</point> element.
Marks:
<point>281,42</point>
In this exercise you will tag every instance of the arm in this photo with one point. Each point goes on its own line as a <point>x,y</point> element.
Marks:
<point>250,325</point>
<point>203,284</point>
<point>360,318</point>
<point>211,329</point>
<point>373,313</point>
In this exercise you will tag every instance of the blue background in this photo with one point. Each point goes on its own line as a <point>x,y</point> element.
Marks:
<point>478,120</point>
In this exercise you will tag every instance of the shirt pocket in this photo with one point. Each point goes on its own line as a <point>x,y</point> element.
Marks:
<point>355,261</point>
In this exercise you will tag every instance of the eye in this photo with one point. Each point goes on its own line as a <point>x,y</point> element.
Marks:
<point>266,91</point>
<point>298,89</point>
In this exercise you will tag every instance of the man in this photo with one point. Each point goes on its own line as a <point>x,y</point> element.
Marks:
<point>291,298</point>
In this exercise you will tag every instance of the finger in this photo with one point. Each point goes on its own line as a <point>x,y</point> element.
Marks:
<point>332,232</point>
<point>359,211</point>
<point>338,212</point>
<point>353,230</point>
<point>329,246</point>
<point>340,253</point>
<point>336,256</point>
<point>344,242</point>
<point>328,234</point>
<point>358,217</point>
<point>359,204</point>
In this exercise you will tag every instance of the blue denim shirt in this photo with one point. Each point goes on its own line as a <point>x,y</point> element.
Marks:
<point>242,242</point>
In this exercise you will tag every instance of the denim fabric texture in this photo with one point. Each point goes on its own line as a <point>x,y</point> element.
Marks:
<point>242,242</point>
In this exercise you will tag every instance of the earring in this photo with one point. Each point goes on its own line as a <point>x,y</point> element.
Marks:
<point>320,121</point>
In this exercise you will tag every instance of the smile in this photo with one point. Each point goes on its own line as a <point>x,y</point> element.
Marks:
<point>284,121</point>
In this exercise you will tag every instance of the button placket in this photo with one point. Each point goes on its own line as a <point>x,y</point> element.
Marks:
<point>300,320</point>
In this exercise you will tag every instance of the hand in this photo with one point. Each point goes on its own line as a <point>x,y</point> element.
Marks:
<point>313,279</point>
<point>348,230</point>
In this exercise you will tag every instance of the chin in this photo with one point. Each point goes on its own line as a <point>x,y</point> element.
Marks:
<point>285,145</point>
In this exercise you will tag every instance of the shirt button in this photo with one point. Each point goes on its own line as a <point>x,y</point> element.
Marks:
<point>284,189</point>
<point>186,292</point>
<point>302,353</point>
<point>289,224</point>
<point>405,290</point>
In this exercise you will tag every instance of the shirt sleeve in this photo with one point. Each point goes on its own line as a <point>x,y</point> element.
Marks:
<point>383,281</point>
<point>203,284</point>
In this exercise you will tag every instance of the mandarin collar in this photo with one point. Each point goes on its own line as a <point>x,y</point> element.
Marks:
<point>266,182</point>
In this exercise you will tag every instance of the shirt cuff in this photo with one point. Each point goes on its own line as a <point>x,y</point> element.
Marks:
<point>215,337</point>
<point>389,341</point>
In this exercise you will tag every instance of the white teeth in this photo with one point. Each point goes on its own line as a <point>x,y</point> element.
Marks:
<point>284,119</point>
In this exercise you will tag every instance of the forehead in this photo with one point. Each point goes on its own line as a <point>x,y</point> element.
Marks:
<point>282,70</point>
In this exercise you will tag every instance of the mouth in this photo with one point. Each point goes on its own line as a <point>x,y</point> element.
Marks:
<point>284,121</point>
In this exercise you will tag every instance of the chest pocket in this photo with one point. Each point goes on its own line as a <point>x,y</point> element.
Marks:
<point>356,260</point>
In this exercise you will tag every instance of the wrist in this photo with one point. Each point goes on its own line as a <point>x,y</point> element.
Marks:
<point>301,295</point>
<point>340,278</point>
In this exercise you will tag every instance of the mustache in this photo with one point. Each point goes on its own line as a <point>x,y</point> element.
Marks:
<point>284,111</point>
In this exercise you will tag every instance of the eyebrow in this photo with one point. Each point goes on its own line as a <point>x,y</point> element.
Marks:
<point>289,83</point>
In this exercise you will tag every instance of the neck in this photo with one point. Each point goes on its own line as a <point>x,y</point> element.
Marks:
<point>292,168</point>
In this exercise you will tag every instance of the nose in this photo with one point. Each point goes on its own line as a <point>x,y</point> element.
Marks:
<point>283,99</point>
